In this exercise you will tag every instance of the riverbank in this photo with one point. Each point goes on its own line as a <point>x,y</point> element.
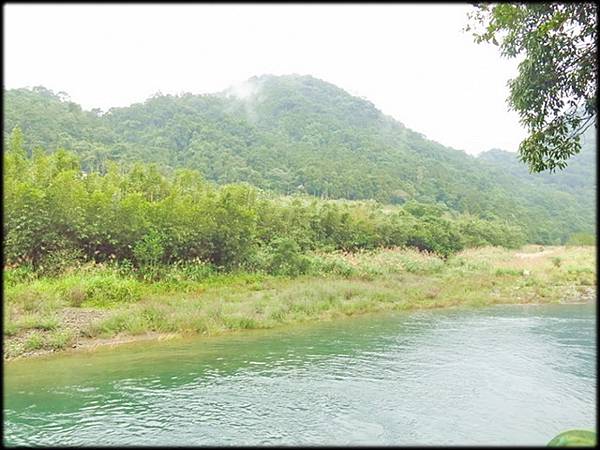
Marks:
<point>94,305</point>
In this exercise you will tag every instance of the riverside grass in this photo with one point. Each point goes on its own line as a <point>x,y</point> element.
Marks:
<point>94,302</point>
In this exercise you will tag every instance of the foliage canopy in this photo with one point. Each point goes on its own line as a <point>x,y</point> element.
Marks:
<point>555,90</point>
<point>56,214</point>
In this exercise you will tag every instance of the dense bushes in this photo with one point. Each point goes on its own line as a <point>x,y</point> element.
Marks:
<point>56,215</point>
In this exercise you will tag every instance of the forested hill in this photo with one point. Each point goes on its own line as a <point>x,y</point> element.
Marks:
<point>298,134</point>
<point>578,178</point>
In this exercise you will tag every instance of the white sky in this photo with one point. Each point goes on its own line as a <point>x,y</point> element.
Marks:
<point>412,61</point>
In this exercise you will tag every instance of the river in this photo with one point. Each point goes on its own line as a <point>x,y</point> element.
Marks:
<point>504,375</point>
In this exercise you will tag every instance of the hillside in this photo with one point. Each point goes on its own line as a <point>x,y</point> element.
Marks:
<point>297,134</point>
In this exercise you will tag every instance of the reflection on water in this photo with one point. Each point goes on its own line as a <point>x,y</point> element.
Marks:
<point>504,375</point>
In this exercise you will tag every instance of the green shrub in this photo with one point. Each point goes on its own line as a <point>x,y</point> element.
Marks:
<point>286,258</point>
<point>556,261</point>
<point>109,289</point>
<point>19,274</point>
<point>511,272</point>
<point>36,321</point>
<point>34,342</point>
<point>61,339</point>
<point>10,329</point>
<point>148,253</point>
<point>154,317</point>
<point>125,267</point>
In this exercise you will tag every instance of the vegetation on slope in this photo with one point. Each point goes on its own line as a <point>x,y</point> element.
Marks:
<point>300,135</point>
<point>56,215</point>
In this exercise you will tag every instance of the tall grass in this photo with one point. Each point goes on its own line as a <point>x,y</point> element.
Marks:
<point>335,284</point>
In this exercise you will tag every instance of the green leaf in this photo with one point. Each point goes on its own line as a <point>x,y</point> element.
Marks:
<point>574,438</point>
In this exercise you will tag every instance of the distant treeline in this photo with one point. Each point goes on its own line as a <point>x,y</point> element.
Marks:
<point>57,214</point>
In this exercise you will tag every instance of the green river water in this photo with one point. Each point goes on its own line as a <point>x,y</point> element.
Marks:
<point>504,375</point>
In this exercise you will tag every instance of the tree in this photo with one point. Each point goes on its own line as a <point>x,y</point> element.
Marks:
<point>555,90</point>
<point>15,142</point>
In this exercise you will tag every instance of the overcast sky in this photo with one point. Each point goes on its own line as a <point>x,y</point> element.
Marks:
<point>413,62</point>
